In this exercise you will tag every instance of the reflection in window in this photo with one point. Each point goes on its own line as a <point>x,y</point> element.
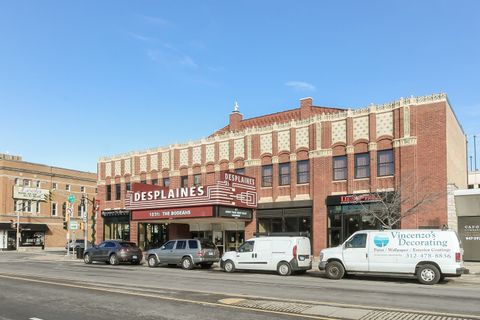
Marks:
<point>340,168</point>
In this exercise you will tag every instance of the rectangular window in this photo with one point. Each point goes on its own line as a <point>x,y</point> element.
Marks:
<point>67,187</point>
<point>362,165</point>
<point>385,163</point>
<point>155,182</point>
<point>340,168</point>
<point>82,189</point>
<point>240,171</point>
<point>128,186</point>
<point>118,190</point>
<point>54,186</point>
<point>108,196</point>
<point>166,182</point>
<point>267,173</point>
<point>26,183</point>
<point>54,209</point>
<point>17,181</point>
<point>197,179</point>
<point>27,206</point>
<point>37,183</point>
<point>184,181</point>
<point>37,206</point>
<point>303,171</point>
<point>143,181</point>
<point>284,174</point>
<point>79,210</point>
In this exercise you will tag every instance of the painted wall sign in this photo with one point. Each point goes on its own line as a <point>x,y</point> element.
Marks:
<point>173,213</point>
<point>232,190</point>
<point>226,212</point>
<point>29,193</point>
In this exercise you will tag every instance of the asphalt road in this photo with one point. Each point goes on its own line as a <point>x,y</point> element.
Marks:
<point>52,289</point>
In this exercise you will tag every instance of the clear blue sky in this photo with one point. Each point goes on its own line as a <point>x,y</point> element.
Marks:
<point>85,79</point>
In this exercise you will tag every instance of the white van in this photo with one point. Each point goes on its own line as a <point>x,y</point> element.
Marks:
<point>430,255</point>
<point>283,254</point>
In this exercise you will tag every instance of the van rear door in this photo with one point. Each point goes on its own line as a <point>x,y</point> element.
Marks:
<point>355,255</point>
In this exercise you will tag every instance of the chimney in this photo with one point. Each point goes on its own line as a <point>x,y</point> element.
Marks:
<point>306,107</point>
<point>235,118</point>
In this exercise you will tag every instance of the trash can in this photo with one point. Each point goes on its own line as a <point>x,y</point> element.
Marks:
<point>80,253</point>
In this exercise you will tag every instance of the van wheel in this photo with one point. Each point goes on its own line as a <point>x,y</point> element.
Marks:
<point>152,261</point>
<point>187,263</point>
<point>229,266</point>
<point>428,274</point>
<point>334,270</point>
<point>284,269</point>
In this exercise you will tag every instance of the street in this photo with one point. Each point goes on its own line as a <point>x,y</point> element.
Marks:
<point>34,287</point>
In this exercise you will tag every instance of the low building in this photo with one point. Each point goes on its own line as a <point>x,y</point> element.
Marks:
<point>36,196</point>
<point>316,168</point>
<point>467,203</point>
<point>474,180</point>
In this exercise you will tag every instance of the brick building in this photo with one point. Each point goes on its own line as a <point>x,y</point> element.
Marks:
<point>309,163</point>
<point>41,222</point>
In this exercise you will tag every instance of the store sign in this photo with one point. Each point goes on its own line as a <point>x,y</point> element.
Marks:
<point>225,212</point>
<point>232,190</point>
<point>115,213</point>
<point>29,193</point>
<point>360,198</point>
<point>175,213</point>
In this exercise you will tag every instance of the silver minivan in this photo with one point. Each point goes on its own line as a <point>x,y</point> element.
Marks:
<point>185,252</point>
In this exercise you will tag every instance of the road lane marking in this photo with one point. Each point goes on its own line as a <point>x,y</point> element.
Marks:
<point>35,319</point>
<point>326,303</point>
<point>204,303</point>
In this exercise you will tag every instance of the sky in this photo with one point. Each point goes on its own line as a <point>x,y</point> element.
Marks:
<point>80,80</point>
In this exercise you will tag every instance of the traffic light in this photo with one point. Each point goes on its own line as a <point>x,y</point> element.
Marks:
<point>66,220</point>
<point>64,209</point>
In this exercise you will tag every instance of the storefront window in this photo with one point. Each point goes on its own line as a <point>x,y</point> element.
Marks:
<point>116,228</point>
<point>152,235</point>
<point>293,221</point>
<point>32,238</point>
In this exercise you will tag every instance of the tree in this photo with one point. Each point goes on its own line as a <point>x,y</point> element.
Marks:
<point>390,207</point>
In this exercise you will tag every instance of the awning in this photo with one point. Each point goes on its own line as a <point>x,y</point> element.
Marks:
<point>25,226</point>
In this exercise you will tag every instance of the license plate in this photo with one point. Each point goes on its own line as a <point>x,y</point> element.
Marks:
<point>301,258</point>
<point>134,257</point>
<point>209,253</point>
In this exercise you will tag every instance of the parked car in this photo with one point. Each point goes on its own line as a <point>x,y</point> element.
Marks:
<point>113,252</point>
<point>79,243</point>
<point>185,252</point>
<point>282,254</point>
<point>430,255</point>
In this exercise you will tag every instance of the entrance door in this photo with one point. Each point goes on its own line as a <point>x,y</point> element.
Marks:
<point>355,253</point>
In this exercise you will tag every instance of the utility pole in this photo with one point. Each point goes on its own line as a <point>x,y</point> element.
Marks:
<point>471,168</point>
<point>475,151</point>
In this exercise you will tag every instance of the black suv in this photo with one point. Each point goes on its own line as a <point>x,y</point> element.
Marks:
<point>113,252</point>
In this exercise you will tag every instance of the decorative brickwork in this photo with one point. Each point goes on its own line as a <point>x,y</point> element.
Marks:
<point>266,143</point>
<point>154,162</point>
<point>197,155</point>
<point>184,157</point>
<point>339,131</point>
<point>384,124</point>
<point>108,169</point>
<point>128,166</point>
<point>238,148</point>
<point>284,141</point>
<point>302,138</point>
<point>165,160</point>
<point>118,168</point>
<point>143,164</point>
<point>360,128</point>
<point>224,150</point>
<point>210,153</point>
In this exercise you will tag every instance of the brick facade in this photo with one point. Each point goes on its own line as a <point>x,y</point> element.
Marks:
<point>415,128</point>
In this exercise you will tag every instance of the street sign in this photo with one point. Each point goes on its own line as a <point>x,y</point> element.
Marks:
<point>74,225</point>
<point>71,198</point>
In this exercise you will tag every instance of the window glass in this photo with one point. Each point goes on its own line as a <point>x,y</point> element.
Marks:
<point>362,165</point>
<point>284,174</point>
<point>82,189</point>
<point>166,182</point>
<point>246,247</point>
<point>193,244</point>
<point>103,245</point>
<point>303,171</point>
<point>183,181</point>
<point>110,245</point>
<point>267,176</point>
<point>54,209</point>
<point>154,182</point>
<point>385,163</point>
<point>108,195</point>
<point>117,191</point>
<point>67,187</point>
<point>169,245</point>
<point>208,244</point>
<point>54,186</point>
<point>340,168</point>
<point>128,244</point>
<point>197,179</point>
<point>181,244</point>
<point>240,171</point>
<point>358,241</point>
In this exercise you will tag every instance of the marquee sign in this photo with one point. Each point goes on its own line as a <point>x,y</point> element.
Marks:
<point>175,213</point>
<point>232,190</point>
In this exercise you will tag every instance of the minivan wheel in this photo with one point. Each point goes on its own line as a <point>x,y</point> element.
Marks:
<point>152,261</point>
<point>334,270</point>
<point>229,266</point>
<point>87,259</point>
<point>284,269</point>
<point>187,263</point>
<point>428,274</point>
<point>113,259</point>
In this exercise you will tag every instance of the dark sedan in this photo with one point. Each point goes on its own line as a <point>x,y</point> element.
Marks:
<point>113,252</point>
